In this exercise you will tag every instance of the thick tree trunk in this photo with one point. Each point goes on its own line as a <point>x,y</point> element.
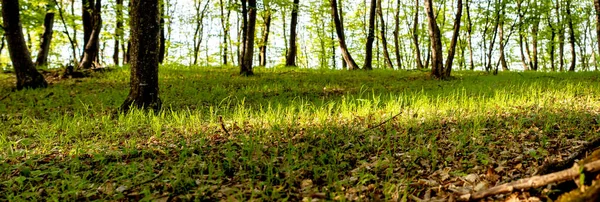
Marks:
<point>290,60</point>
<point>451,50</point>
<point>571,37</point>
<point>87,21</point>
<point>343,37</point>
<point>370,37</point>
<point>435,37</point>
<point>42,57</point>
<point>597,7</point>
<point>27,75</point>
<point>265,39</point>
<point>397,35</point>
<point>92,48</point>
<point>340,32</point>
<point>118,30</point>
<point>415,36</point>
<point>246,68</point>
<point>145,30</point>
<point>386,52</point>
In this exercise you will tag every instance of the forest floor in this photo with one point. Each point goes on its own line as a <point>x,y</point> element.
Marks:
<point>290,134</point>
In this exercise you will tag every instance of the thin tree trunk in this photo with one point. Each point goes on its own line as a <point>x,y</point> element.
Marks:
<point>561,37</point>
<point>290,60</point>
<point>27,75</point>
<point>42,57</point>
<point>246,68</point>
<point>225,26</point>
<point>437,66</point>
<point>386,53</point>
<point>470,32</point>
<point>415,36</point>
<point>397,35</point>
<point>343,37</point>
<point>522,54</point>
<point>71,40</point>
<point>92,48</point>
<point>552,43</point>
<point>163,40</point>
<point>370,37</point>
<point>340,32</point>
<point>597,7</point>
<point>534,33</point>
<point>501,40</point>
<point>571,37</point>
<point>265,39</point>
<point>118,30</point>
<point>451,50</point>
<point>145,30</point>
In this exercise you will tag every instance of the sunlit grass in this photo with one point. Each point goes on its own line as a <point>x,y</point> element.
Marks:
<point>284,127</point>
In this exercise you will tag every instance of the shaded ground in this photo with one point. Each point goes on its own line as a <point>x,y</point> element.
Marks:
<point>291,134</point>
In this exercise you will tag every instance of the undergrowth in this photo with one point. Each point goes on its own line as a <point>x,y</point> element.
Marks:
<point>290,133</point>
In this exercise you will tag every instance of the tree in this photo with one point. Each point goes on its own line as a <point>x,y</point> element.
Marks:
<point>597,7</point>
<point>145,29</point>
<point>27,75</point>
<point>571,36</point>
<point>118,30</point>
<point>42,57</point>
<point>90,54</point>
<point>225,25</point>
<point>386,53</point>
<point>291,54</point>
<point>437,66</point>
<point>451,50</point>
<point>397,35</point>
<point>265,38</point>
<point>199,30</point>
<point>370,37</point>
<point>163,39</point>
<point>249,27</point>
<point>340,33</point>
<point>415,36</point>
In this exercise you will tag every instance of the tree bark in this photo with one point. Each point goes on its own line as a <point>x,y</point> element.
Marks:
<point>397,35</point>
<point>92,48</point>
<point>118,30</point>
<point>246,68</point>
<point>451,50</point>
<point>199,30</point>
<point>42,57</point>
<point>163,40</point>
<point>534,33</point>
<point>225,26</point>
<point>265,39</point>
<point>470,32</point>
<point>370,37</point>
<point>415,36</point>
<point>597,7</point>
<point>27,75</point>
<point>340,32</point>
<point>571,37</point>
<point>501,40</point>
<point>435,37</point>
<point>386,52</point>
<point>343,37</point>
<point>145,30</point>
<point>561,37</point>
<point>290,60</point>
<point>521,51</point>
<point>552,43</point>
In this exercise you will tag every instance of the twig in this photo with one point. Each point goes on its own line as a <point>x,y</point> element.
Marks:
<point>384,122</point>
<point>2,98</point>
<point>223,126</point>
<point>533,182</point>
<point>144,182</point>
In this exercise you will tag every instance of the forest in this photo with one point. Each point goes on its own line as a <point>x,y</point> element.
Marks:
<point>299,100</point>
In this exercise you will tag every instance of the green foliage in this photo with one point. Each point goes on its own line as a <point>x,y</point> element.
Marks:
<point>291,133</point>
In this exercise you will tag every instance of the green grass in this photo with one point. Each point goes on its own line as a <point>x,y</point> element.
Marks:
<point>293,133</point>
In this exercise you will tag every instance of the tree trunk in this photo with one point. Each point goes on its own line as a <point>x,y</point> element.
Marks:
<point>290,59</point>
<point>571,37</point>
<point>397,35</point>
<point>118,31</point>
<point>42,57</point>
<point>91,51</point>
<point>145,30</point>
<point>199,30</point>
<point>246,68</point>
<point>561,37</point>
<point>386,53</point>
<point>415,36</point>
<point>163,40</point>
<point>522,54</point>
<point>435,37</point>
<point>552,43</point>
<point>454,40</point>
<point>340,32</point>
<point>343,37</point>
<point>265,39</point>
<point>501,40</point>
<point>72,41</point>
<point>370,37</point>
<point>470,32</point>
<point>597,7</point>
<point>89,9</point>
<point>534,33</point>
<point>27,75</point>
<point>225,26</point>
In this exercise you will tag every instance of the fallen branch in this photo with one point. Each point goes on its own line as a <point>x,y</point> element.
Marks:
<point>144,182</point>
<point>223,126</point>
<point>533,182</point>
<point>384,122</point>
<point>561,165</point>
